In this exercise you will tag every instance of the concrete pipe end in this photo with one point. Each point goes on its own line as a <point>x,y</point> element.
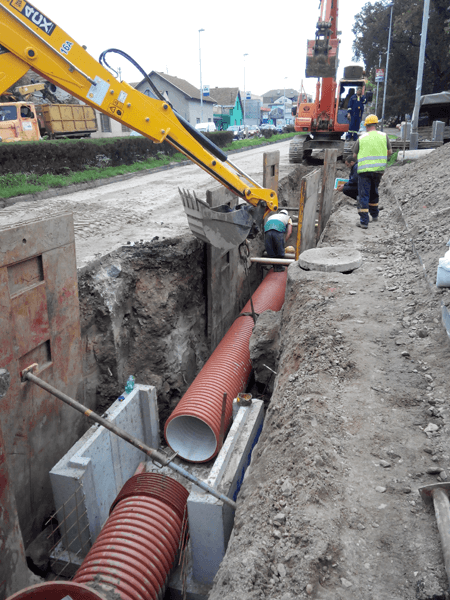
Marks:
<point>192,438</point>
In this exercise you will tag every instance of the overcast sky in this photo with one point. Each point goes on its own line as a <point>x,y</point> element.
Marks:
<point>164,36</point>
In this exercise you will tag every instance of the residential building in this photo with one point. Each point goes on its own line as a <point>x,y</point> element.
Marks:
<point>281,111</point>
<point>183,96</point>
<point>252,108</point>
<point>108,127</point>
<point>272,95</point>
<point>228,107</point>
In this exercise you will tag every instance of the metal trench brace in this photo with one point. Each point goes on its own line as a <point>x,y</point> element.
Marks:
<point>438,494</point>
<point>157,458</point>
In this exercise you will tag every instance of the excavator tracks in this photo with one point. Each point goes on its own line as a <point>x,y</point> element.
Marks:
<point>296,149</point>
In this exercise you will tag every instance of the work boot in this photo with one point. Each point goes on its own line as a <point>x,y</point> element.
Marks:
<point>359,224</point>
<point>375,219</point>
<point>278,268</point>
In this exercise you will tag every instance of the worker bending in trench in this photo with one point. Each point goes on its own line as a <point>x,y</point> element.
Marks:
<point>350,187</point>
<point>371,151</point>
<point>277,229</point>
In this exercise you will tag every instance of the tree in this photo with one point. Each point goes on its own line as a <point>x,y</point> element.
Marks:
<point>371,29</point>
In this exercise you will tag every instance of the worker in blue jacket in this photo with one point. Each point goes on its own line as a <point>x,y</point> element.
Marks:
<point>350,187</point>
<point>354,113</point>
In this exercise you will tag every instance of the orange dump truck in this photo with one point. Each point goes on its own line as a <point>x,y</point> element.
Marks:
<point>22,121</point>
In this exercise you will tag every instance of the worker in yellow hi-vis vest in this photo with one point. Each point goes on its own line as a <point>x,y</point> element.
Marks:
<point>372,151</point>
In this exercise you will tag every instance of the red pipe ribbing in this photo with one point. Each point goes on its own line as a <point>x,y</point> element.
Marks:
<point>193,428</point>
<point>135,550</point>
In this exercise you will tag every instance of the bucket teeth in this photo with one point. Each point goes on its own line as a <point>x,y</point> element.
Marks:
<point>221,227</point>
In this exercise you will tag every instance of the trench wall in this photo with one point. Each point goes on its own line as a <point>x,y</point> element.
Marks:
<point>144,312</point>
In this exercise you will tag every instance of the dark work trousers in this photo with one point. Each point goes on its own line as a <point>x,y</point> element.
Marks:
<point>350,190</point>
<point>368,195</point>
<point>274,242</point>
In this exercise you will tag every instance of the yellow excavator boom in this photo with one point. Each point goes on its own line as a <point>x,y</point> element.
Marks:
<point>29,39</point>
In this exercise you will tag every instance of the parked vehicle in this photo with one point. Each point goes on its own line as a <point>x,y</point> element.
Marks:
<point>269,126</point>
<point>66,120</point>
<point>210,126</point>
<point>20,121</point>
<point>238,131</point>
<point>254,131</point>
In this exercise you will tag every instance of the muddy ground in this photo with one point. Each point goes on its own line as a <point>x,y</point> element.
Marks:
<point>129,209</point>
<point>359,418</point>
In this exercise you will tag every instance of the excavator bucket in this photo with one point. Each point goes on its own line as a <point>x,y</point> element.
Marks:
<point>222,227</point>
<point>322,57</point>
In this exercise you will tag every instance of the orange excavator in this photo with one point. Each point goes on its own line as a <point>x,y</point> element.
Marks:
<point>325,119</point>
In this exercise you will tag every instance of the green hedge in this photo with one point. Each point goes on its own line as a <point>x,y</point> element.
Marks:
<point>64,156</point>
<point>220,138</point>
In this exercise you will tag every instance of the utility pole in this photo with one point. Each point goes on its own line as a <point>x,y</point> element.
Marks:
<point>387,67</point>
<point>201,86</point>
<point>243,121</point>
<point>414,138</point>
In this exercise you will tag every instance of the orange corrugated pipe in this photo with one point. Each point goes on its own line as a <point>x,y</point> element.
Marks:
<point>193,428</point>
<point>136,549</point>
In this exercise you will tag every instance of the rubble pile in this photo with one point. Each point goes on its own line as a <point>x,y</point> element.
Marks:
<point>359,417</point>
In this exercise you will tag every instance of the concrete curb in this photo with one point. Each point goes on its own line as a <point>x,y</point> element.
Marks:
<point>78,187</point>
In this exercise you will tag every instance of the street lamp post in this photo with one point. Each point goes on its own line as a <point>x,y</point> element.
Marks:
<point>201,86</point>
<point>387,66</point>
<point>243,120</point>
<point>414,137</point>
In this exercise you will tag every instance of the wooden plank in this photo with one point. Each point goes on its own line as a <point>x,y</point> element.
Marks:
<point>326,197</point>
<point>271,170</point>
<point>308,225</point>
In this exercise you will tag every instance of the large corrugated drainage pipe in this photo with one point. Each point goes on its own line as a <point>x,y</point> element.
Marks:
<point>193,428</point>
<point>135,551</point>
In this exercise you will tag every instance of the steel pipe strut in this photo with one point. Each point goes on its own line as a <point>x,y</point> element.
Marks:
<point>155,455</point>
<point>262,260</point>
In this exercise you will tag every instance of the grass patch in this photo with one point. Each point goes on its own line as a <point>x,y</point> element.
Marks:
<point>21,184</point>
<point>392,159</point>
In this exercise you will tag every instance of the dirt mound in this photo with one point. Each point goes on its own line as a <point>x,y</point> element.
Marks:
<point>358,421</point>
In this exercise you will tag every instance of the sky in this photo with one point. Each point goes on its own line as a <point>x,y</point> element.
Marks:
<point>164,36</point>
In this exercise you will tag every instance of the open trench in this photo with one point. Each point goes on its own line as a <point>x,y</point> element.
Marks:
<point>330,506</point>
<point>144,312</point>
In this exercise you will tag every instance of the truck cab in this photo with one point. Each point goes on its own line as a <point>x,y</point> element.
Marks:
<point>18,122</point>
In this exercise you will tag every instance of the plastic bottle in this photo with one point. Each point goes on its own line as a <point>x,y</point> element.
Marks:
<point>129,384</point>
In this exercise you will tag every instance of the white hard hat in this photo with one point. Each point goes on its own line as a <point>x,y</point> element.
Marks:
<point>284,212</point>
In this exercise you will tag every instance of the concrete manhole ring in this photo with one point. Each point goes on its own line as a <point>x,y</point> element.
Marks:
<point>330,259</point>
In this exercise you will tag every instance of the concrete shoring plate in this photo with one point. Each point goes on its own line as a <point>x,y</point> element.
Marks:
<point>330,259</point>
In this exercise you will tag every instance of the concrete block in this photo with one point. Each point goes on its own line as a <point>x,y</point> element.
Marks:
<point>405,131</point>
<point>210,521</point>
<point>88,478</point>
<point>437,134</point>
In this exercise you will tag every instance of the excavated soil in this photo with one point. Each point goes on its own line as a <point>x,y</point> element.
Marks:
<point>359,417</point>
